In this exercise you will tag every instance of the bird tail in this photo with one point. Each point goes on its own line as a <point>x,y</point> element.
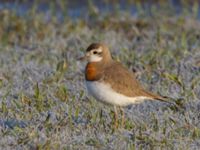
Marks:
<point>165,99</point>
<point>157,97</point>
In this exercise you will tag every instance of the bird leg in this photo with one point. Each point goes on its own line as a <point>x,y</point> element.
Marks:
<point>116,117</point>
<point>122,117</point>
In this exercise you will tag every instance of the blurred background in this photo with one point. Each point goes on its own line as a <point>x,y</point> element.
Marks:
<point>43,100</point>
<point>26,17</point>
<point>84,9</point>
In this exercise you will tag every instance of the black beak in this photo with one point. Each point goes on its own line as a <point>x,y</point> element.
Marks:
<point>82,58</point>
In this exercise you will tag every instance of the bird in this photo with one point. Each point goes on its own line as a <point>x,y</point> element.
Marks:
<point>111,82</point>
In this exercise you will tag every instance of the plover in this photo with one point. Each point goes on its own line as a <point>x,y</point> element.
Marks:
<point>109,81</point>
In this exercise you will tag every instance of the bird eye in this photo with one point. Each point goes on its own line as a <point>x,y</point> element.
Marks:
<point>94,52</point>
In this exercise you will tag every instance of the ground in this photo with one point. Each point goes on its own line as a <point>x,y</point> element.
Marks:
<point>43,100</point>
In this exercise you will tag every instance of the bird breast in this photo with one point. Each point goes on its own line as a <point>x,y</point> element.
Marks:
<point>90,72</point>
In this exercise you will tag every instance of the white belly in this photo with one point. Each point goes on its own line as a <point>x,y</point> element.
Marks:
<point>103,92</point>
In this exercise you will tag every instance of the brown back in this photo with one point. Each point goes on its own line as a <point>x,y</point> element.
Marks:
<point>123,81</point>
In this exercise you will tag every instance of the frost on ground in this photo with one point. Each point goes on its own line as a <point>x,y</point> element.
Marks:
<point>43,100</point>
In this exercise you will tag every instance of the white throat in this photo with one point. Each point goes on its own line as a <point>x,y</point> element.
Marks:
<point>94,58</point>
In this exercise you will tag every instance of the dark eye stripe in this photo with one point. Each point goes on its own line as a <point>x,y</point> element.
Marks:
<point>100,53</point>
<point>97,53</point>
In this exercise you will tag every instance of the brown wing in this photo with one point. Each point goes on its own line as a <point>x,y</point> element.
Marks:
<point>124,81</point>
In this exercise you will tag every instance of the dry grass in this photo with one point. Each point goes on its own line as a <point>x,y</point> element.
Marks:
<point>43,101</point>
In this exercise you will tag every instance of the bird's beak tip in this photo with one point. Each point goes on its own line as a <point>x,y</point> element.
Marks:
<point>82,58</point>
